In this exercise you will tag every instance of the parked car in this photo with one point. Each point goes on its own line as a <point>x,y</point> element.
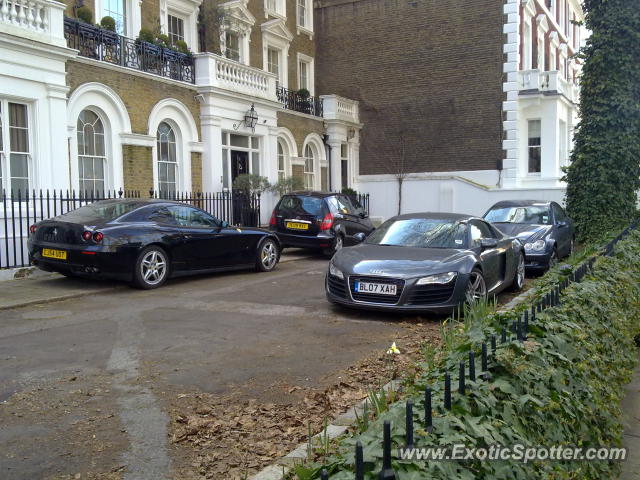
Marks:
<point>146,242</point>
<point>543,227</point>
<point>425,262</point>
<point>324,221</point>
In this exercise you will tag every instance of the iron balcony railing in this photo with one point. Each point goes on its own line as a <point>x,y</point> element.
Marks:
<point>292,100</point>
<point>108,46</point>
<point>20,210</point>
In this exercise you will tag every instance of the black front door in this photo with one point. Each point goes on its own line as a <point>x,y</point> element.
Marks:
<point>239,164</point>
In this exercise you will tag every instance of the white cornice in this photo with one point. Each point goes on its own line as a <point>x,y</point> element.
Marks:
<point>543,22</point>
<point>278,28</point>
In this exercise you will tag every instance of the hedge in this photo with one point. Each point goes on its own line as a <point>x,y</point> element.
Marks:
<point>562,386</point>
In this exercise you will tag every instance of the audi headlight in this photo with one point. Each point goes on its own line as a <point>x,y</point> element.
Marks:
<point>333,270</point>
<point>439,279</point>
<point>536,246</point>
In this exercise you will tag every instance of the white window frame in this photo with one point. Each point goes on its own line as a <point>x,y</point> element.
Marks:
<point>5,153</point>
<point>226,155</point>
<point>186,10</point>
<point>104,157</point>
<point>275,35</point>
<point>307,28</point>
<point>241,22</point>
<point>177,161</point>
<point>529,147</point>
<point>184,25</point>
<point>309,175</point>
<point>309,61</point>
<point>275,8</point>
<point>563,143</point>
<point>282,146</point>
<point>133,16</point>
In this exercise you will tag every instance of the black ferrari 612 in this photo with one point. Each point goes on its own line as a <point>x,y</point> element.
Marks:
<point>146,242</point>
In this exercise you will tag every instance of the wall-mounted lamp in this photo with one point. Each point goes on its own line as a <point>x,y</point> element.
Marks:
<point>351,133</point>
<point>250,119</point>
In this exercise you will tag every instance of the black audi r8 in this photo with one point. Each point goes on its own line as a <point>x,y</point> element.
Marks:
<point>430,262</point>
<point>146,242</point>
<point>543,227</point>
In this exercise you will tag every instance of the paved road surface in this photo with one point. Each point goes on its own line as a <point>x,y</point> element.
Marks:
<point>85,381</point>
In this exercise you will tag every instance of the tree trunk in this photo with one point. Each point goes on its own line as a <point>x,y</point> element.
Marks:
<point>400,180</point>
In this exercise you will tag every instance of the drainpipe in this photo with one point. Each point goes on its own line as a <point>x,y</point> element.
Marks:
<point>325,139</point>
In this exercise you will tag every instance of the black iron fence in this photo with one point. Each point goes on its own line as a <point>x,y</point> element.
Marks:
<point>361,199</point>
<point>20,210</point>
<point>518,331</point>
<point>292,100</point>
<point>107,46</point>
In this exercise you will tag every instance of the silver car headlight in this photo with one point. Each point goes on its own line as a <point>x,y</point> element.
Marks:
<point>536,246</point>
<point>334,271</point>
<point>439,279</point>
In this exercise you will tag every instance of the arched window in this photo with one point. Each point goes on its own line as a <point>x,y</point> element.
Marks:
<point>309,165</point>
<point>282,161</point>
<point>167,161</point>
<point>91,153</point>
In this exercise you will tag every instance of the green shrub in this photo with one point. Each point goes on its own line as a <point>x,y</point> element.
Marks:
<point>287,185</point>
<point>604,175</point>
<point>84,14</point>
<point>349,191</point>
<point>108,23</point>
<point>146,35</point>
<point>304,93</point>
<point>182,47</point>
<point>251,184</point>
<point>563,386</point>
<point>163,40</point>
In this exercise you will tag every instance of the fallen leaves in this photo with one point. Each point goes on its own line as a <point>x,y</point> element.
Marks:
<point>233,436</point>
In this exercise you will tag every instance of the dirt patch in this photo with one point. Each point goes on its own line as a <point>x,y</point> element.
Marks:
<point>73,431</point>
<point>234,436</point>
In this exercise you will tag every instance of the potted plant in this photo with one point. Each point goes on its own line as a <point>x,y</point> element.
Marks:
<point>84,14</point>
<point>247,189</point>
<point>304,100</point>
<point>287,185</point>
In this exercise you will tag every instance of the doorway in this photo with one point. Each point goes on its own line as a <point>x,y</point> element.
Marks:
<point>239,164</point>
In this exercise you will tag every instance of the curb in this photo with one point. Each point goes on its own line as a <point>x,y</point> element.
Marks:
<point>59,298</point>
<point>8,274</point>
<point>337,428</point>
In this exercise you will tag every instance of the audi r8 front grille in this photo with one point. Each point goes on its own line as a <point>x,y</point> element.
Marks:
<point>337,287</point>
<point>431,294</point>
<point>373,297</point>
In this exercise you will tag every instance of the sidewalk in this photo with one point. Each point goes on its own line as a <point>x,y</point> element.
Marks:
<point>631,422</point>
<point>42,287</point>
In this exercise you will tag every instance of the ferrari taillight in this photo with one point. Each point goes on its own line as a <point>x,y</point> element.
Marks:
<point>86,235</point>
<point>97,237</point>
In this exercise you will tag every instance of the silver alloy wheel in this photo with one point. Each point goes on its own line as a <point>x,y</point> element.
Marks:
<point>572,246</point>
<point>153,267</point>
<point>553,259</point>
<point>477,289</point>
<point>339,244</point>
<point>520,272</point>
<point>269,255</point>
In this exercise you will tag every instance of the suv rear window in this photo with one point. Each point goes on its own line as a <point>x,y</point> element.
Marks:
<point>302,204</point>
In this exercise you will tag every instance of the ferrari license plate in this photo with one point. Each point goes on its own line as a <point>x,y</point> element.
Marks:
<point>57,254</point>
<point>297,226</point>
<point>375,288</point>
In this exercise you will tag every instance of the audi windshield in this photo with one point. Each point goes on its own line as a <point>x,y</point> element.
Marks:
<point>420,233</point>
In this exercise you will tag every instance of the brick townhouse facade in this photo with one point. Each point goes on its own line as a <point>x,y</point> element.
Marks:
<point>88,108</point>
<point>469,102</point>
